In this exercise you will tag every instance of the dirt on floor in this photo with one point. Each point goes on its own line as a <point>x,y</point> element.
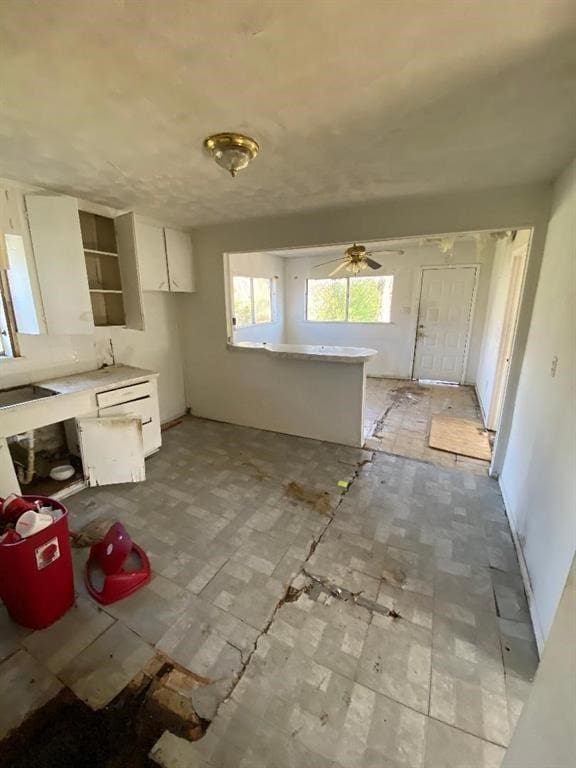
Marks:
<point>318,500</point>
<point>67,733</point>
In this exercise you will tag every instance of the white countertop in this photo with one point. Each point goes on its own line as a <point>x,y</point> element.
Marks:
<point>103,378</point>
<point>349,355</point>
<point>73,396</point>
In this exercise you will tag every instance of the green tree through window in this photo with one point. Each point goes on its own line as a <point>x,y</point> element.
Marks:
<point>252,300</point>
<point>327,300</point>
<point>350,299</point>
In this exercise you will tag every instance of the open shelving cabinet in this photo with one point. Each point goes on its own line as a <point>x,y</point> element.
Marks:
<point>103,269</point>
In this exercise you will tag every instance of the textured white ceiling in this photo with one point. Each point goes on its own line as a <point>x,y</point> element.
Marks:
<point>352,101</point>
<point>373,246</point>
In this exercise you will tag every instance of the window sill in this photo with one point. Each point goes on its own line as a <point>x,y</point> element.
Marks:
<point>349,322</point>
<point>254,325</point>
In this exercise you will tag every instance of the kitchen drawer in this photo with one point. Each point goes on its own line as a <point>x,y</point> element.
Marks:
<point>142,409</point>
<point>123,394</point>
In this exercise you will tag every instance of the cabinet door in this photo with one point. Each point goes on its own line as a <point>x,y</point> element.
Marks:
<point>59,256</point>
<point>180,260</point>
<point>129,271</point>
<point>112,449</point>
<point>151,253</point>
<point>9,222</point>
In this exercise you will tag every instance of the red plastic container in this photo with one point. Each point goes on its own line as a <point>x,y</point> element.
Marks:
<point>36,576</point>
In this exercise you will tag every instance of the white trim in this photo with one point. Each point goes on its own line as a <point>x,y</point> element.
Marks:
<point>476,266</point>
<point>536,623</point>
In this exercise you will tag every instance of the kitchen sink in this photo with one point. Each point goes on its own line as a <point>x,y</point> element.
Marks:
<point>19,395</point>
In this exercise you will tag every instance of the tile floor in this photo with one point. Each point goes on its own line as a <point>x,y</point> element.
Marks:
<point>397,419</point>
<point>325,679</point>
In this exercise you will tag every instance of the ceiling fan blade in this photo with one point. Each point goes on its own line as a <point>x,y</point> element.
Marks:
<point>397,251</point>
<point>344,264</point>
<point>323,263</point>
<point>371,263</point>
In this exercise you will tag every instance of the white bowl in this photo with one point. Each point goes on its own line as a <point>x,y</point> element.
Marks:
<point>63,472</point>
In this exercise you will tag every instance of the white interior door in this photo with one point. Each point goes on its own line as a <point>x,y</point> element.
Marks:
<point>112,449</point>
<point>444,320</point>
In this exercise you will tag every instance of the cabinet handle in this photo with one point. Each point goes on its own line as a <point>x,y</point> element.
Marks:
<point>175,283</point>
<point>163,283</point>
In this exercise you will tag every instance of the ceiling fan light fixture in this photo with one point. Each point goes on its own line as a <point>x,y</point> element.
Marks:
<point>232,151</point>
<point>356,266</point>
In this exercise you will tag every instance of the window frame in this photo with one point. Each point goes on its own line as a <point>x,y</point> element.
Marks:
<point>9,347</point>
<point>254,322</point>
<point>346,320</point>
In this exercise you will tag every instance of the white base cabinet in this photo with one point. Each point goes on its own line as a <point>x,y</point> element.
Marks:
<point>111,419</point>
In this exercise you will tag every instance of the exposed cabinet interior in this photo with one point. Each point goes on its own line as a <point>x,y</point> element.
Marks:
<point>107,308</point>
<point>103,269</point>
<point>51,446</point>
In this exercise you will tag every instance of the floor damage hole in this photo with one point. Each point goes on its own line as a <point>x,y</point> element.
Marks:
<point>67,733</point>
<point>320,589</point>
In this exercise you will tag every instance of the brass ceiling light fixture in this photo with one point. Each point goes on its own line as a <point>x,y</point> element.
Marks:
<point>232,151</point>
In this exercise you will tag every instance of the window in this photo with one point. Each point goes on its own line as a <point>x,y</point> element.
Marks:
<point>349,299</point>
<point>252,300</point>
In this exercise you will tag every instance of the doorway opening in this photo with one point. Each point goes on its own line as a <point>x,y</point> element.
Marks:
<point>439,312</point>
<point>466,319</point>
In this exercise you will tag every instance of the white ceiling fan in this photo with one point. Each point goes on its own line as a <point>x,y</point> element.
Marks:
<point>356,258</point>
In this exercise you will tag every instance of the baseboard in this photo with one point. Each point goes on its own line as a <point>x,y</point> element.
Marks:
<point>536,623</point>
<point>482,413</point>
<point>164,424</point>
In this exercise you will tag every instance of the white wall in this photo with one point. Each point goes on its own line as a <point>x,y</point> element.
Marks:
<point>157,348</point>
<point>395,340</point>
<point>220,381</point>
<point>538,473</point>
<point>498,312</point>
<point>262,265</point>
<point>495,311</point>
<point>545,734</point>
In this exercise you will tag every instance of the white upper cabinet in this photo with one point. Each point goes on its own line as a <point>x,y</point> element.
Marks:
<point>164,256</point>
<point>151,256</point>
<point>179,259</point>
<point>59,256</point>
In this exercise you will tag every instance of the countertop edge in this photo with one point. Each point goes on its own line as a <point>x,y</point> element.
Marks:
<point>133,376</point>
<point>314,356</point>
